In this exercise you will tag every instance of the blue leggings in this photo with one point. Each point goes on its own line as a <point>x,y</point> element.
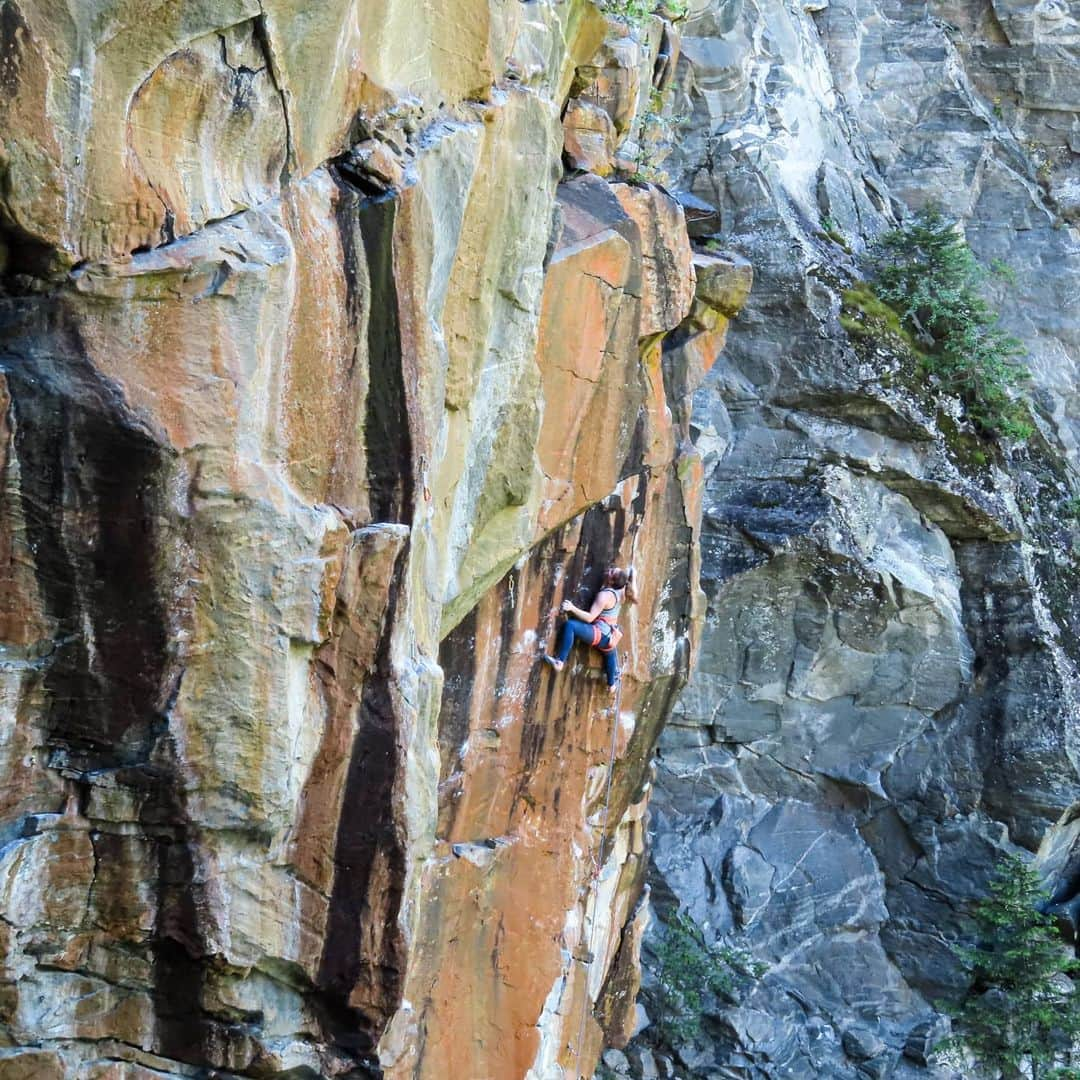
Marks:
<point>575,628</point>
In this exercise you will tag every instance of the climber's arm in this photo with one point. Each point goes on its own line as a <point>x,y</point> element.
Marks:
<point>599,606</point>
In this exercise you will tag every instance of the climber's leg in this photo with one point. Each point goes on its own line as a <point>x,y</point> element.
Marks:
<point>572,628</point>
<point>611,668</point>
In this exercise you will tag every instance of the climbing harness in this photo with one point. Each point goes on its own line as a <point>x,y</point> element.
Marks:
<point>614,636</point>
<point>604,626</point>
<point>598,865</point>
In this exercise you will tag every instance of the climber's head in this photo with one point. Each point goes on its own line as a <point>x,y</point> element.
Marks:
<point>616,577</point>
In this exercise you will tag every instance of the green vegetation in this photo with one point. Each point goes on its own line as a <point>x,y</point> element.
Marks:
<point>653,130</point>
<point>1021,1009</point>
<point>687,969</point>
<point>675,9</point>
<point>633,12</point>
<point>655,135</point>
<point>637,12</point>
<point>830,230</point>
<point>1070,508</point>
<point>864,314</point>
<point>927,291</point>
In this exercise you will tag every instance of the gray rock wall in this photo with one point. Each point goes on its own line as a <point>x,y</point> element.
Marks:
<point>887,696</point>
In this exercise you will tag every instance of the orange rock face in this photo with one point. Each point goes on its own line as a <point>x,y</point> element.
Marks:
<point>588,357</point>
<point>297,462</point>
<point>588,138</point>
<point>523,815</point>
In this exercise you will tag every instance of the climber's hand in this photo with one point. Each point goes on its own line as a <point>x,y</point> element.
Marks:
<point>566,605</point>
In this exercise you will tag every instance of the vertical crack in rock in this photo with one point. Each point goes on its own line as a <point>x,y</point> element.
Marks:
<point>366,227</point>
<point>265,43</point>
<point>363,957</point>
<point>387,434</point>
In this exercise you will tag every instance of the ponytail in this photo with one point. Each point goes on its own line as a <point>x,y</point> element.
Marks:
<point>623,580</point>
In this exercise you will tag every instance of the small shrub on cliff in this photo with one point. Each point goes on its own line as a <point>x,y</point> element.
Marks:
<point>687,969</point>
<point>655,134</point>
<point>634,12</point>
<point>675,9</point>
<point>1070,508</point>
<point>830,230</point>
<point>1022,1009</point>
<point>926,273</point>
<point>637,12</point>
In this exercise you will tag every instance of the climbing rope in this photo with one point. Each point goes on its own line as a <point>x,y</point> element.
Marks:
<point>598,865</point>
<point>600,854</point>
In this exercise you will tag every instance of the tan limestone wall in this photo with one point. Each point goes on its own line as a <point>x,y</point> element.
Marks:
<point>321,384</point>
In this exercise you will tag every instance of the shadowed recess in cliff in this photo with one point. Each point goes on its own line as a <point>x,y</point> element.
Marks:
<point>92,485</point>
<point>19,252</point>
<point>366,227</point>
<point>363,955</point>
<point>1016,763</point>
<point>13,29</point>
<point>184,1030</point>
<point>459,682</point>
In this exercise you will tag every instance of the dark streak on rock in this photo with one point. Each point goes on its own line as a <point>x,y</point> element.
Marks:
<point>458,647</point>
<point>184,1031</point>
<point>508,621</point>
<point>602,533</point>
<point>93,497</point>
<point>13,41</point>
<point>363,959</point>
<point>345,215</point>
<point>386,430</point>
<point>366,227</point>
<point>91,493</point>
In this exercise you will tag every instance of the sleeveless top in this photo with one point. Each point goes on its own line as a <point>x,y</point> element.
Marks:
<point>610,614</point>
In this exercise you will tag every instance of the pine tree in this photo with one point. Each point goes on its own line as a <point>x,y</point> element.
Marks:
<point>927,273</point>
<point>687,969</point>
<point>1021,1008</point>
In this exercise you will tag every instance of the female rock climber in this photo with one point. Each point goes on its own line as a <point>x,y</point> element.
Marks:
<point>597,626</point>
